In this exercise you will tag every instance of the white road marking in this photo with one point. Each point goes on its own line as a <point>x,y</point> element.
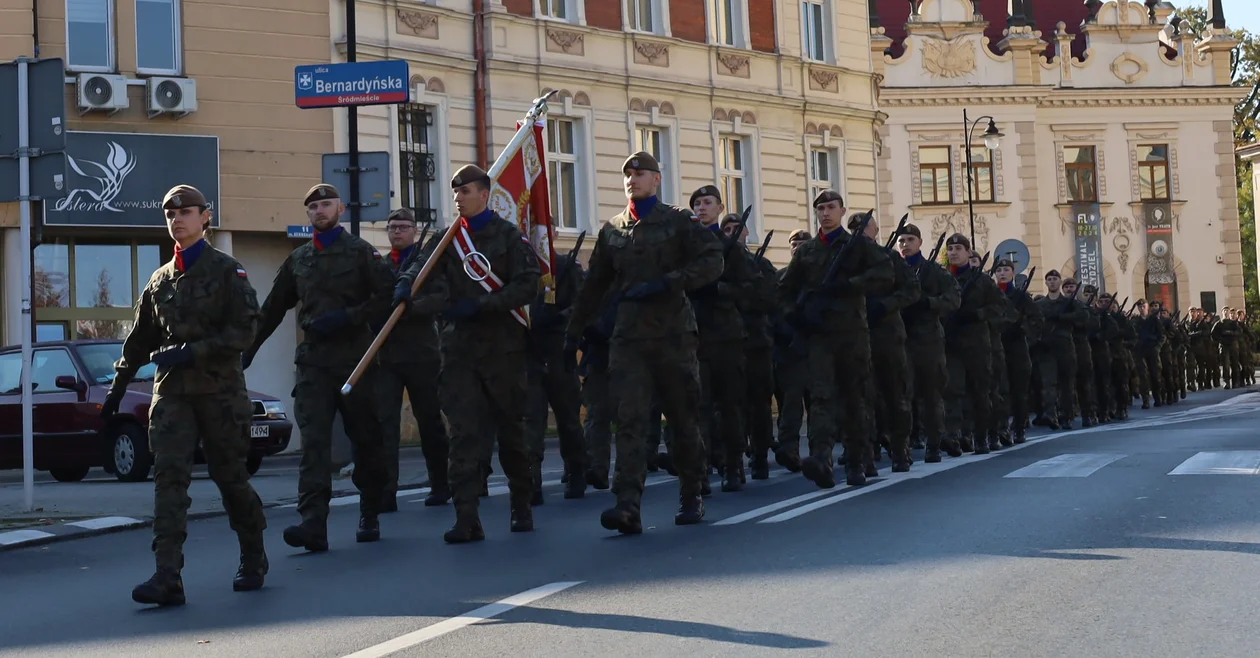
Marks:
<point>22,536</point>
<point>1071,465</point>
<point>773,507</point>
<point>104,522</point>
<point>1236,462</point>
<point>467,619</point>
<point>843,496</point>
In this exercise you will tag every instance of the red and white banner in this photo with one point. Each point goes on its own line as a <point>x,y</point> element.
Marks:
<point>490,282</point>
<point>521,196</point>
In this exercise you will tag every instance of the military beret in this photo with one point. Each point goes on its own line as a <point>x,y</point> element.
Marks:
<point>799,234</point>
<point>468,174</point>
<point>321,192</point>
<point>827,197</point>
<point>707,190</point>
<point>911,229</point>
<point>730,218</point>
<point>1054,273</point>
<point>958,238</point>
<point>1090,288</point>
<point>183,196</point>
<point>403,214</point>
<point>1069,281</point>
<point>643,161</point>
<point>1003,262</point>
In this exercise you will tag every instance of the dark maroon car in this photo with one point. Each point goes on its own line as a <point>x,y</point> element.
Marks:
<point>70,381</point>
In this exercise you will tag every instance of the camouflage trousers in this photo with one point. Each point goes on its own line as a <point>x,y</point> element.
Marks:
<point>1057,363</point>
<point>968,407</point>
<point>1104,390</point>
<point>1150,379</point>
<point>599,416</point>
<point>1086,402</point>
<point>791,378</point>
<point>892,414</point>
<point>419,381</point>
<point>221,424</point>
<point>927,380</point>
<point>999,387</point>
<point>760,376</point>
<point>317,399</point>
<point>485,400</point>
<point>669,368</point>
<point>839,386</point>
<point>723,388</point>
<point>1018,378</point>
<point>551,385</point>
<point>1122,376</point>
<point>1232,364</point>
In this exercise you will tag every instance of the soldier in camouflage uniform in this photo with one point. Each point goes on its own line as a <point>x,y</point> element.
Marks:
<point>409,361</point>
<point>1167,367</point>
<point>597,394</point>
<point>968,355</point>
<point>832,323</point>
<point>925,341</point>
<point>1248,355</point>
<point>1226,333</point>
<point>999,390</point>
<point>484,379</point>
<point>343,285</point>
<point>651,253</point>
<point>193,319</point>
<point>1025,327</point>
<point>1122,366</point>
<point>1150,335</point>
<point>1057,355</point>
<point>1100,339</point>
<point>791,375</point>
<point>1082,325</point>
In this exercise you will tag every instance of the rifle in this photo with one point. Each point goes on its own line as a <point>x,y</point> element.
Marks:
<point>734,237</point>
<point>833,268</point>
<point>892,239</point>
<point>1123,304</point>
<point>764,244</point>
<point>918,271</point>
<point>962,294</point>
<point>571,259</point>
<point>1028,279</point>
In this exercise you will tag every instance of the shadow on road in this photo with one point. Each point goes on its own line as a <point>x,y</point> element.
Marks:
<point>671,627</point>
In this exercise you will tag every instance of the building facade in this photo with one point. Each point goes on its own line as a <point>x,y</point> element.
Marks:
<point>161,92</point>
<point>1117,165</point>
<point>773,100</point>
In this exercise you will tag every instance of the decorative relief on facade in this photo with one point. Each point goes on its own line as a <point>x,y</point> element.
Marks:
<point>639,105</point>
<point>1102,174</point>
<point>958,221</point>
<point>432,85</point>
<point>999,181</point>
<point>1058,171</point>
<point>1172,170</point>
<point>821,80</point>
<point>956,164</point>
<point>735,65</point>
<point>1121,230</point>
<point>1134,185</point>
<point>564,41</point>
<point>1080,138</point>
<point>916,192</point>
<point>1129,68</point>
<point>949,59</point>
<point>812,128</point>
<point>417,23</point>
<point>651,53</point>
<point>730,115</point>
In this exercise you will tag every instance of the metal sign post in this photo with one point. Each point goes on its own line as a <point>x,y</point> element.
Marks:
<point>24,193</point>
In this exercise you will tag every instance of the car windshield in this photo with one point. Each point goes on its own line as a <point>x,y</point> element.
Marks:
<point>100,357</point>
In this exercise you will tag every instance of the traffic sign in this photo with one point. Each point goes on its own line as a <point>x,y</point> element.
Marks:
<point>1014,251</point>
<point>48,177</point>
<point>374,181</point>
<point>46,85</point>
<point>351,84</point>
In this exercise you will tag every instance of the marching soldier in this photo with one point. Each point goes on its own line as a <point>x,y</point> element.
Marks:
<point>482,285</point>
<point>1225,332</point>
<point>343,285</point>
<point>968,355</point>
<point>597,394</point>
<point>999,391</point>
<point>1100,338</point>
<point>830,316</point>
<point>1082,322</point>
<point>409,361</point>
<point>193,319</point>
<point>1025,328</point>
<point>651,253</point>
<point>1057,355</point>
<point>1122,366</point>
<point>1150,336</point>
<point>791,374</point>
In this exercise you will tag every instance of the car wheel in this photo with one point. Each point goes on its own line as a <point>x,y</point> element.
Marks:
<point>131,457</point>
<point>73,474</point>
<point>253,462</point>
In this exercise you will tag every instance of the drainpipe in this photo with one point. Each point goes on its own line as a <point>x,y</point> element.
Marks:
<point>479,80</point>
<point>35,26</point>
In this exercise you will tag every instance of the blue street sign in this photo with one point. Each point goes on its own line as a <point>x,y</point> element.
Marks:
<point>303,231</point>
<point>354,83</point>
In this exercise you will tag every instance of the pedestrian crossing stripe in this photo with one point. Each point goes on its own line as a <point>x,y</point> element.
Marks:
<point>1071,465</point>
<point>1232,462</point>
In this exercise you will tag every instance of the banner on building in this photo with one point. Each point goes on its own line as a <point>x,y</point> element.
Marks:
<point>119,179</point>
<point>520,195</point>
<point>1089,258</point>
<point>1161,274</point>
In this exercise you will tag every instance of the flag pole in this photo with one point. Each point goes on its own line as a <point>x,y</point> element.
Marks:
<point>505,156</point>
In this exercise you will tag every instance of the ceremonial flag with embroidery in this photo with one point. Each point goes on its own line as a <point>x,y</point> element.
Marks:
<point>520,195</point>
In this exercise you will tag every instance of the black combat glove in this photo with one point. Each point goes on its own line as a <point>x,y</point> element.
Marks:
<point>462,309</point>
<point>402,293</point>
<point>172,355</point>
<point>875,310</point>
<point>112,400</point>
<point>921,306</point>
<point>570,353</point>
<point>329,322</point>
<point>966,316</point>
<point>644,291</point>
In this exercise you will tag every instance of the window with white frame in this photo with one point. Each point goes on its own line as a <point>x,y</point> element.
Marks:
<point>815,30</point>
<point>571,11</point>
<point>90,35</point>
<point>733,171</point>
<point>648,138</point>
<point>562,170</point>
<point>824,172</point>
<point>655,139</point>
<point>730,20</point>
<point>642,15</point>
<point>157,37</point>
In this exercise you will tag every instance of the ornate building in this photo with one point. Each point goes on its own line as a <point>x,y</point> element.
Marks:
<point>1116,162</point>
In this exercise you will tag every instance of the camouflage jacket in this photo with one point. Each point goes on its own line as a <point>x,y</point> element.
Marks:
<point>667,243</point>
<point>349,274</point>
<point>716,305</point>
<point>758,307</point>
<point>939,296</point>
<point>1061,318</point>
<point>415,338</point>
<point>1028,324</point>
<point>982,306</point>
<point>903,292</point>
<point>211,307</point>
<point>867,267</point>
<point>493,330</point>
<point>549,321</point>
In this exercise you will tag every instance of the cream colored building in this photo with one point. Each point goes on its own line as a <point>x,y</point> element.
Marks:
<point>772,99</point>
<point>1138,132</point>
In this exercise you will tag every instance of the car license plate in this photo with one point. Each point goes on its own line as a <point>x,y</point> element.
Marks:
<point>259,431</point>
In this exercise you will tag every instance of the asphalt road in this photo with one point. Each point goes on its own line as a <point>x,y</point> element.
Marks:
<point>1082,544</point>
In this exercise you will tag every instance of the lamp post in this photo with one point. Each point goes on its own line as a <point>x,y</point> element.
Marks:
<point>991,140</point>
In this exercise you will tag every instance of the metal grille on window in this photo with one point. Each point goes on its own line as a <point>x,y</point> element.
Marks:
<point>417,166</point>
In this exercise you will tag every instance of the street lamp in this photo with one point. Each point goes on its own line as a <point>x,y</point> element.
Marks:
<point>992,138</point>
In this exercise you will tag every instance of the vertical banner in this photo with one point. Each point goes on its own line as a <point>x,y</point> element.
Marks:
<point>1089,258</point>
<point>520,195</point>
<point>1161,278</point>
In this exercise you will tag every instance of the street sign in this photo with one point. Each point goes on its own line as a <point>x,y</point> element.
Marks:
<point>351,84</point>
<point>1014,251</point>
<point>48,177</point>
<point>301,231</point>
<point>374,181</point>
<point>46,85</point>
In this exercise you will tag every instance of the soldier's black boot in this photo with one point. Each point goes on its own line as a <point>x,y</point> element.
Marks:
<point>467,529</point>
<point>538,485</point>
<point>901,462</point>
<point>166,587</point>
<point>760,467</point>
<point>818,470</point>
<point>789,458</point>
<point>964,444</point>
<point>622,517</point>
<point>690,510</point>
<point>952,447</point>
<point>439,494</point>
<point>369,530</point>
<point>995,443</point>
<point>389,502</point>
<point>1004,438</point>
<point>854,476</point>
<point>733,477</point>
<point>522,518</point>
<point>666,463</point>
<point>932,455</point>
<point>576,486</point>
<point>598,478</point>
<point>981,445</point>
<point>309,534</point>
<point>251,573</point>
<point>1020,437</point>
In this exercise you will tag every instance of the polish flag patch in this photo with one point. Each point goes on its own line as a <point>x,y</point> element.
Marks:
<point>376,254</point>
<point>241,272</point>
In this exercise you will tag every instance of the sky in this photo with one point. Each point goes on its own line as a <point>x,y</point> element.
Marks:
<point>1238,13</point>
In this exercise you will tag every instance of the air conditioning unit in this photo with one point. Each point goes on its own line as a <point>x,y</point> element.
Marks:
<point>104,92</point>
<point>176,96</point>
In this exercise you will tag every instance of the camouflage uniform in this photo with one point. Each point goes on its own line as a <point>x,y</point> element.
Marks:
<point>1150,380</point>
<point>757,308</point>
<point>890,364</point>
<point>1100,339</point>
<point>999,386</point>
<point>1084,323</point>
<point>1057,356</point>
<point>651,253</point>
<point>925,345</point>
<point>193,318</point>
<point>343,285</point>
<point>791,376</point>
<point>1225,332</point>
<point>1026,329</point>
<point>1122,367</point>
<point>597,395</point>
<point>969,357</point>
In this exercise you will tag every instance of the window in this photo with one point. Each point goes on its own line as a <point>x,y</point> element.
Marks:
<point>1078,166</point>
<point>47,366</point>
<point>935,178</point>
<point>417,169</point>
<point>647,138</point>
<point>571,11</point>
<point>157,36</point>
<point>87,288</point>
<point>823,173</point>
<point>90,35</point>
<point>981,175</point>
<point>728,22</point>
<point>562,171</point>
<point>553,9</point>
<point>732,172</point>
<point>641,15</point>
<point>814,31</point>
<point>1153,172</point>
<point>11,373</point>
<point>99,359</point>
